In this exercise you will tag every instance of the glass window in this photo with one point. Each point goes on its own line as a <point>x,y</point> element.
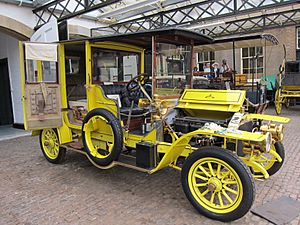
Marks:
<point>204,58</point>
<point>173,68</point>
<point>72,65</point>
<point>253,61</point>
<point>31,71</point>
<point>114,66</point>
<point>245,52</point>
<point>49,71</point>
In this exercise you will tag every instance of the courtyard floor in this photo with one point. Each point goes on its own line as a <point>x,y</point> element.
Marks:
<point>33,191</point>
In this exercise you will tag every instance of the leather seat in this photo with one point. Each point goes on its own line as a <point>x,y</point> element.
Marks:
<point>126,97</point>
<point>135,111</point>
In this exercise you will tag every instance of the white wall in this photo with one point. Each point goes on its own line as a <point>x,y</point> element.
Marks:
<point>9,48</point>
<point>26,16</point>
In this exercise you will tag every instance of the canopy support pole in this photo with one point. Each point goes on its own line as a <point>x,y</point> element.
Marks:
<point>234,70</point>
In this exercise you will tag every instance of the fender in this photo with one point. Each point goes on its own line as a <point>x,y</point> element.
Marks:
<point>182,143</point>
<point>278,119</point>
<point>250,162</point>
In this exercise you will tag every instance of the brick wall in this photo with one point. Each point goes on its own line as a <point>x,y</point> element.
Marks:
<point>274,54</point>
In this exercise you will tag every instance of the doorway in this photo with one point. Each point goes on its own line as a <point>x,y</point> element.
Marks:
<point>6,113</point>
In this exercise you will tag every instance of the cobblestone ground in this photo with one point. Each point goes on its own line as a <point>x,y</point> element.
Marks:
<point>33,191</point>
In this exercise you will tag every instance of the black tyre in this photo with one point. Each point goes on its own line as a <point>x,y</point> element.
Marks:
<point>218,184</point>
<point>272,165</point>
<point>49,142</point>
<point>102,136</point>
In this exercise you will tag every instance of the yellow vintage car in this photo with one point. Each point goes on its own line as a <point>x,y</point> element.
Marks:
<point>125,100</point>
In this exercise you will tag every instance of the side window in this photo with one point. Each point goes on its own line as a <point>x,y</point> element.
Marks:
<point>31,71</point>
<point>41,63</point>
<point>114,66</point>
<point>49,71</point>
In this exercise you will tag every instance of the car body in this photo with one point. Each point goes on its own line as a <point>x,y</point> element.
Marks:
<point>93,96</point>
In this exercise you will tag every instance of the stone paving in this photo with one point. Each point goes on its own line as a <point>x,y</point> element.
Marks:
<point>33,191</point>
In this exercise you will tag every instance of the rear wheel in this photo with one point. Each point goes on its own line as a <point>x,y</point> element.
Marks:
<point>278,102</point>
<point>49,143</point>
<point>218,184</point>
<point>102,136</point>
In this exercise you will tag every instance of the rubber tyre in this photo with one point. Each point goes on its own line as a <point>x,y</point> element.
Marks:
<point>241,169</point>
<point>118,136</point>
<point>277,165</point>
<point>62,151</point>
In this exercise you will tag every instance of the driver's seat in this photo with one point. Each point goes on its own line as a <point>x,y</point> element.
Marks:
<point>125,97</point>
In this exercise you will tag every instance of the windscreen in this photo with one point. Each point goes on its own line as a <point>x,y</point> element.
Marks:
<point>172,69</point>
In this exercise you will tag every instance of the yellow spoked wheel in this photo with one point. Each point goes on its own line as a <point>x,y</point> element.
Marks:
<point>102,136</point>
<point>218,184</point>
<point>269,160</point>
<point>49,143</point>
<point>278,101</point>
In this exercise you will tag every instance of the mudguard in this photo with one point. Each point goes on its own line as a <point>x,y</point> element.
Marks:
<point>176,149</point>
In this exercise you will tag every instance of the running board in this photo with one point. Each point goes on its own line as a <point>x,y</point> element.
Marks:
<point>127,164</point>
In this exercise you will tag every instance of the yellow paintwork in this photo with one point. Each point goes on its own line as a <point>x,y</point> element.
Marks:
<point>39,69</point>
<point>50,143</point>
<point>220,103</point>
<point>22,74</point>
<point>180,145</point>
<point>98,135</point>
<point>214,100</point>
<point>284,92</point>
<point>119,46</point>
<point>267,159</point>
<point>278,119</point>
<point>202,170</point>
<point>62,77</point>
<point>251,162</point>
<point>64,134</point>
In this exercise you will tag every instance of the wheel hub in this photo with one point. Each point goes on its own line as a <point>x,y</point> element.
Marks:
<point>214,184</point>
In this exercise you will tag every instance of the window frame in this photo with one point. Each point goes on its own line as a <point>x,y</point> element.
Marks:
<point>297,38</point>
<point>249,58</point>
<point>93,47</point>
<point>210,60</point>
<point>39,64</point>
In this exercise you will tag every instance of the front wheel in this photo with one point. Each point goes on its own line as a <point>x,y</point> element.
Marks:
<point>218,184</point>
<point>269,161</point>
<point>49,143</point>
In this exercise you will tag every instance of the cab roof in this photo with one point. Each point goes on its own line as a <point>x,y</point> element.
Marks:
<point>143,39</point>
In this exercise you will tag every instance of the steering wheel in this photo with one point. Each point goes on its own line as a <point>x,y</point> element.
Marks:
<point>133,84</point>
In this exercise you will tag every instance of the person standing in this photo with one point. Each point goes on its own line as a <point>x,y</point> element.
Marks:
<point>216,69</point>
<point>225,67</point>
